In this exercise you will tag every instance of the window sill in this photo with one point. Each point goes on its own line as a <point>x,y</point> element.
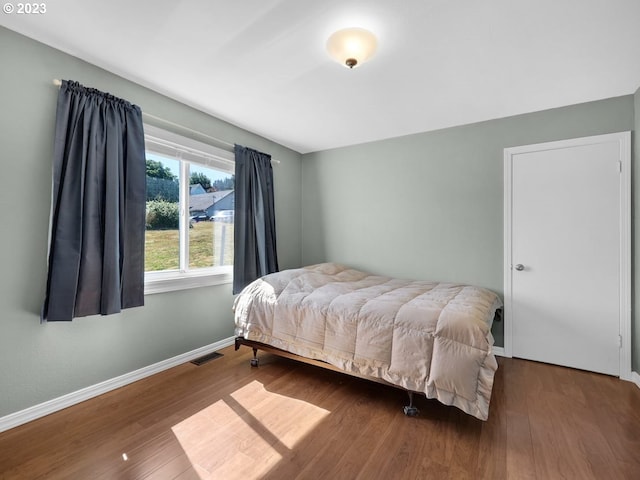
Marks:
<point>161,282</point>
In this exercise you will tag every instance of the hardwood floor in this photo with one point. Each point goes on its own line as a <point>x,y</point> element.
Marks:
<point>286,420</point>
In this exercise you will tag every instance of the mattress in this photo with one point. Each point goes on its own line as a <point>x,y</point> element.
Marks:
<point>423,336</point>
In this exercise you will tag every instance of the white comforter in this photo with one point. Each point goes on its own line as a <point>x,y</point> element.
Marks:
<point>424,336</point>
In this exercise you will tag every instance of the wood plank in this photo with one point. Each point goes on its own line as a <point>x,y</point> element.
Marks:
<point>492,457</point>
<point>285,419</point>
<point>353,419</point>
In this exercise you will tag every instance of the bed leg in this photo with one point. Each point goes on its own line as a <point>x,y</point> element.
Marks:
<point>410,410</point>
<point>254,360</point>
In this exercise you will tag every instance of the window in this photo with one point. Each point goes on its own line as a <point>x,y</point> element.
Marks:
<point>190,213</point>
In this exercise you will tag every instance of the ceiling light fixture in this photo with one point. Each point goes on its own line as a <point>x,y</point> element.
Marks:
<point>351,46</point>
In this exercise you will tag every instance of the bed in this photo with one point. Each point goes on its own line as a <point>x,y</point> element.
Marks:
<point>427,337</point>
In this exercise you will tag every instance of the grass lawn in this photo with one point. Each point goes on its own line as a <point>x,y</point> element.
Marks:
<point>162,251</point>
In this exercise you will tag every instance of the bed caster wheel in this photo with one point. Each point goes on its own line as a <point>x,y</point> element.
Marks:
<point>254,362</point>
<point>410,411</point>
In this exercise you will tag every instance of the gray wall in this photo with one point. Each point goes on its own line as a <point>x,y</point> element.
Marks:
<point>635,191</point>
<point>430,206</point>
<point>42,362</point>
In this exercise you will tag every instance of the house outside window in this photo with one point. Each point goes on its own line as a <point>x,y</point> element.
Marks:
<point>190,205</point>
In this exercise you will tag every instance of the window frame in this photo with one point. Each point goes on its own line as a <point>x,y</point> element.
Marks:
<point>186,150</point>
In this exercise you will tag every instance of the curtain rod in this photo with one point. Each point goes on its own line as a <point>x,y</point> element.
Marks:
<point>58,83</point>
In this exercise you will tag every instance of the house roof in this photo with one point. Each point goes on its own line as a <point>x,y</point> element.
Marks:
<point>206,200</point>
<point>263,66</point>
<point>195,186</point>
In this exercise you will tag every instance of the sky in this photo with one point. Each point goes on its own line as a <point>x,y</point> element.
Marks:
<point>173,165</point>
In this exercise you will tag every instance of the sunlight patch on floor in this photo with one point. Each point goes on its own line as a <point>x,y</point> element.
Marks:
<point>245,434</point>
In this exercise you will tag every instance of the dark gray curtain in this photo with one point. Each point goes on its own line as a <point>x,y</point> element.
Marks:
<point>96,249</point>
<point>255,221</point>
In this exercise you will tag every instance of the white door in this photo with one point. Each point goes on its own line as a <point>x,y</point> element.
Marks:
<point>564,269</point>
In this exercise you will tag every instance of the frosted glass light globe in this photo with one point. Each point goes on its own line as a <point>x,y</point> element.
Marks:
<point>352,46</point>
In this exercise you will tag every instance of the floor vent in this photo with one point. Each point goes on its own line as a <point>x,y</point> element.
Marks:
<point>206,358</point>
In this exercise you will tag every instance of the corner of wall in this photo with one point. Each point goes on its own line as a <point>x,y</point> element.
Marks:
<point>635,155</point>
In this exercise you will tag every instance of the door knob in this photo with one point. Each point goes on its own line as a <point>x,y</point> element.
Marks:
<point>519,267</point>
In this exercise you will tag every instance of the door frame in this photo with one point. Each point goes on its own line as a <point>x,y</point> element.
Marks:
<point>624,142</point>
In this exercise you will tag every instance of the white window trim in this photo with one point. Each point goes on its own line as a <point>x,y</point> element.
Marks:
<point>176,146</point>
<point>172,280</point>
<point>168,143</point>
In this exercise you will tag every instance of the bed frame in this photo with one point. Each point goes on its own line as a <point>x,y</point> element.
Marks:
<point>409,410</point>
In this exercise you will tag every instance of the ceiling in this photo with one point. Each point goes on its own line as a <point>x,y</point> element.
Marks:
<point>262,64</point>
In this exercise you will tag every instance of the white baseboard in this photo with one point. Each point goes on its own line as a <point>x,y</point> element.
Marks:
<point>499,351</point>
<point>32,413</point>
<point>635,377</point>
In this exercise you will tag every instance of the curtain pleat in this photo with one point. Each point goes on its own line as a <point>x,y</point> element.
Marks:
<point>96,249</point>
<point>255,252</point>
